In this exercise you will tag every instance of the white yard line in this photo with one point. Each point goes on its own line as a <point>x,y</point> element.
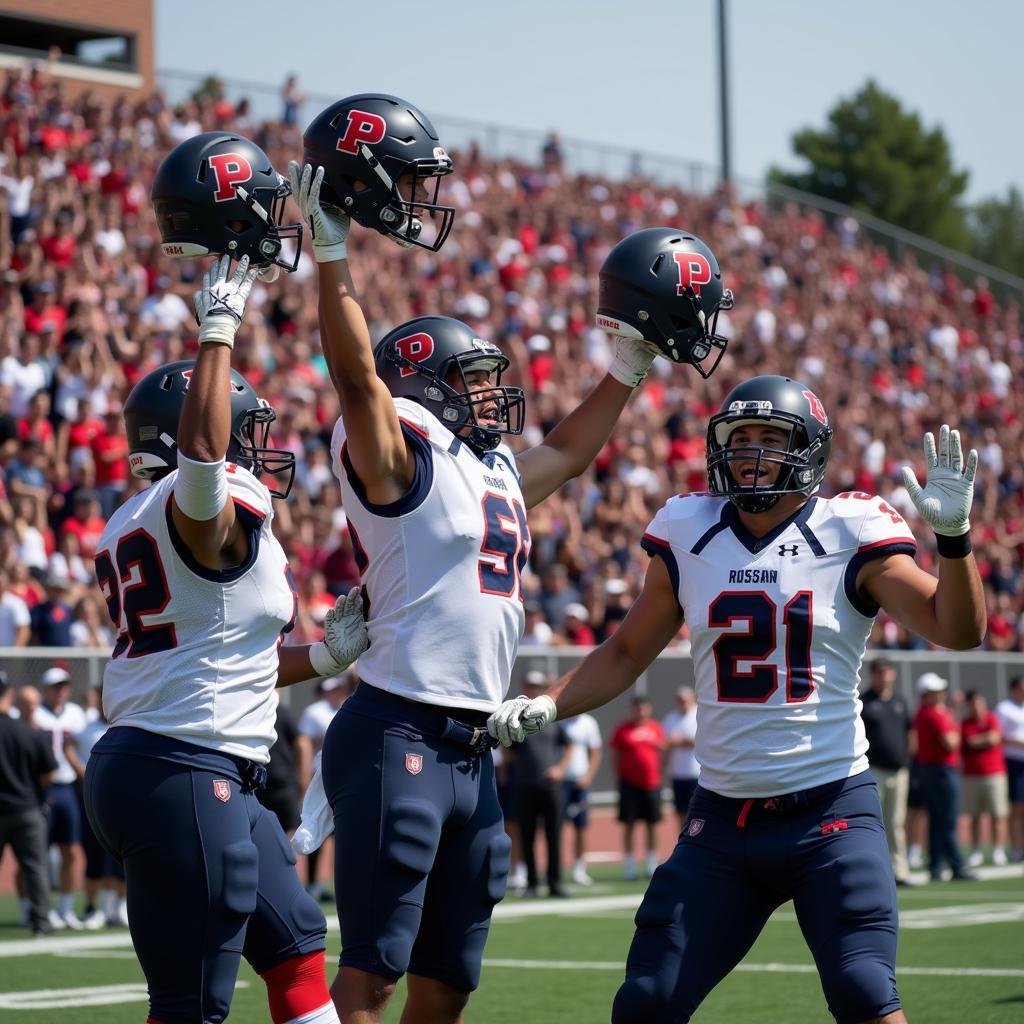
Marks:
<point>92,995</point>
<point>612,965</point>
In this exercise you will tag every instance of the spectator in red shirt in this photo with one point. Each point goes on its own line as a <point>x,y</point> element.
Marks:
<point>636,748</point>
<point>986,790</point>
<point>76,436</point>
<point>938,745</point>
<point>44,313</point>
<point>110,457</point>
<point>85,522</point>
<point>36,425</point>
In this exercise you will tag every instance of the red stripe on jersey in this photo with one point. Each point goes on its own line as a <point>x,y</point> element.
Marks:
<point>888,541</point>
<point>255,511</point>
<point>412,426</point>
<point>657,540</point>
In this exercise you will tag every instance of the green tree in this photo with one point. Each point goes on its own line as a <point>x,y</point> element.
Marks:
<point>997,231</point>
<point>875,156</point>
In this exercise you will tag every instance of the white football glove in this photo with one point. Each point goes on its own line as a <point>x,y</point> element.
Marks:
<point>317,820</point>
<point>327,224</point>
<point>220,304</point>
<point>520,717</point>
<point>633,358</point>
<point>345,636</point>
<point>945,500</point>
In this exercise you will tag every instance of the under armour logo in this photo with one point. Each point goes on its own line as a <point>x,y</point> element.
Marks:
<point>788,549</point>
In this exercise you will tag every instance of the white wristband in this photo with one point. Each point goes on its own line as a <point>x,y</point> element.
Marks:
<point>218,330</point>
<point>625,374</point>
<point>330,253</point>
<point>322,660</point>
<point>200,488</point>
<point>633,358</point>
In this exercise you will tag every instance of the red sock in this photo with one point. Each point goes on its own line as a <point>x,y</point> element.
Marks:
<point>297,986</point>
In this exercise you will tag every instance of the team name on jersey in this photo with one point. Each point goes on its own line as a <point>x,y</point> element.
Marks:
<point>754,576</point>
<point>496,482</point>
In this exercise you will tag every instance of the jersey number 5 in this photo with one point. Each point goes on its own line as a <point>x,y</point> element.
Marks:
<point>506,546</point>
<point>137,587</point>
<point>757,643</point>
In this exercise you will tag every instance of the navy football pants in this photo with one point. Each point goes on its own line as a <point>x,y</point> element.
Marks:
<point>421,855</point>
<point>210,878</point>
<point>735,863</point>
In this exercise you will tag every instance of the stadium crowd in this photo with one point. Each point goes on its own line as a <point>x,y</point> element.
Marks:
<point>88,304</point>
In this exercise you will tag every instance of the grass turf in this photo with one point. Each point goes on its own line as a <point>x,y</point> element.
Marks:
<point>525,992</point>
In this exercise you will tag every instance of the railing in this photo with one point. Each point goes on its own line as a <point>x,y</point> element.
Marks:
<point>987,671</point>
<point>617,162</point>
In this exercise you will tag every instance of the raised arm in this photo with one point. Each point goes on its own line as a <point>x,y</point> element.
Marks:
<point>376,445</point>
<point>607,671</point>
<point>574,443</point>
<point>202,510</point>
<point>948,611</point>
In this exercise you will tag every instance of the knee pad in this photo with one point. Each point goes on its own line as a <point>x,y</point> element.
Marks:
<point>863,990</point>
<point>642,999</point>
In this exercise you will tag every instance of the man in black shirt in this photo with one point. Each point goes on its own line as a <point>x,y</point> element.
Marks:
<point>26,765</point>
<point>281,794</point>
<point>538,793</point>
<point>887,723</point>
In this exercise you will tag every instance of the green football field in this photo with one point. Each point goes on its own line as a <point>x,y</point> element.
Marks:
<point>961,958</point>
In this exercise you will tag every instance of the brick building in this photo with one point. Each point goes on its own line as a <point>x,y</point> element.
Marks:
<point>105,46</point>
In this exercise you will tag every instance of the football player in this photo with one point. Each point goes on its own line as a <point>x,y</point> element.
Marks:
<point>779,589</point>
<point>200,592</point>
<point>436,503</point>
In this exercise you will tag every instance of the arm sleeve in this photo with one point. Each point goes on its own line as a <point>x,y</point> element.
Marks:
<point>656,543</point>
<point>883,532</point>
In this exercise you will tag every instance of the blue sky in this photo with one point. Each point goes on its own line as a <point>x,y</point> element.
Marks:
<point>641,73</point>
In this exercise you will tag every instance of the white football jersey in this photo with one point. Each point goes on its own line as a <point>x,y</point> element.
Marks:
<point>196,653</point>
<point>440,568</point>
<point>70,722</point>
<point>778,631</point>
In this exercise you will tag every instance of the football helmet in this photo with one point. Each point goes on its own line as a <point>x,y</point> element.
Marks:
<point>151,416</point>
<point>783,403</point>
<point>664,285</point>
<point>219,193</point>
<point>414,359</point>
<point>366,144</point>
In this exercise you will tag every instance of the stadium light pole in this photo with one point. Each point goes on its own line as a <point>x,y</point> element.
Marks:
<point>723,91</point>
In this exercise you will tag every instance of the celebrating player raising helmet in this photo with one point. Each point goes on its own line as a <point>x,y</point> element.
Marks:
<point>436,504</point>
<point>779,589</point>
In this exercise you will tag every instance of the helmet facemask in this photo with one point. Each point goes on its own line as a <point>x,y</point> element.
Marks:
<point>699,337</point>
<point>250,448</point>
<point>459,409</point>
<point>392,212</point>
<point>268,204</point>
<point>796,462</point>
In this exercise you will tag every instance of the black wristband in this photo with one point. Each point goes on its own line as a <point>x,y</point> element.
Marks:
<point>953,547</point>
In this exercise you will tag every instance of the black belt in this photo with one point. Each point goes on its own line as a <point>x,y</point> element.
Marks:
<point>462,727</point>
<point>254,776</point>
<point>475,739</point>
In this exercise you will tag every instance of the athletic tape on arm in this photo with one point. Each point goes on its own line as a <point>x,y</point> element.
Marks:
<point>200,488</point>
